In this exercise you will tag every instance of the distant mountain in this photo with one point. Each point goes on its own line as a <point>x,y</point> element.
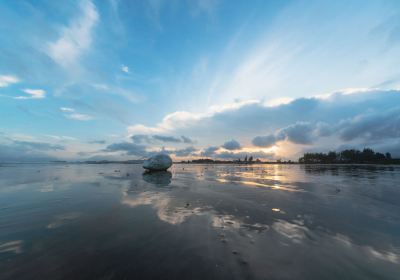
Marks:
<point>132,161</point>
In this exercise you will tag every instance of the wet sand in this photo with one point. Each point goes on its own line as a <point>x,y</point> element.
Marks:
<point>113,221</point>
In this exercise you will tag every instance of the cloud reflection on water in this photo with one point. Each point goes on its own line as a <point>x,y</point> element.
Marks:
<point>369,251</point>
<point>163,204</point>
<point>175,211</point>
<point>264,226</point>
<point>63,219</point>
<point>14,246</point>
<point>169,212</point>
<point>171,209</point>
<point>296,233</point>
<point>251,183</point>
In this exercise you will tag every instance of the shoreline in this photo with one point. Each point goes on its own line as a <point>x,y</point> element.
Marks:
<point>208,163</point>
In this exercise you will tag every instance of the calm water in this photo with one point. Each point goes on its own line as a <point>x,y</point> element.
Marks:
<point>199,222</point>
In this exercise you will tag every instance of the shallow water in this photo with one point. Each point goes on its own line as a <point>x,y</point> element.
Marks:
<point>199,222</point>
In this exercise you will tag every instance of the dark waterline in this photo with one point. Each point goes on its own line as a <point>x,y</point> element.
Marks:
<point>113,221</point>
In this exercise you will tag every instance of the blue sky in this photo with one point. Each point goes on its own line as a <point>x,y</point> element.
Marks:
<point>126,79</point>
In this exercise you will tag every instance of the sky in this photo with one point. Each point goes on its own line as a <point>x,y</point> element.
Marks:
<point>118,79</point>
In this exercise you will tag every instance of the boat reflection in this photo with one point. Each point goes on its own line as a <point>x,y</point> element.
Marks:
<point>158,178</point>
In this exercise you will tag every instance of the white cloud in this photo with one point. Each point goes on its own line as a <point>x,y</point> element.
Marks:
<point>22,137</point>
<point>183,119</point>
<point>130,95</point>
<point>6,80</point>
<point>61,137</point>
<point>75,38</point>
<point>73,115</point>
<point>170,122</point>
<point>125,68</point>
<point>279,101</point>
<point>300,125</point>
<point>287,58</point>
<point>79,117</point>
<point>33,94</point>
<point>66,109</point>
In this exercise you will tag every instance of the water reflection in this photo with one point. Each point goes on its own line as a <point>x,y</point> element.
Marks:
<point>219,222</point>
<point>63,219</point>
<point>369,251</point>
<point>257,184</point>
<point>168,210</point>
<point>14,246</point>
<point>158,178</point>
<point>346,170</point>
<point>296,232</point>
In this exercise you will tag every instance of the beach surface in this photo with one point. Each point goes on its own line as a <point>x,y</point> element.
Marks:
<point>114,221</point>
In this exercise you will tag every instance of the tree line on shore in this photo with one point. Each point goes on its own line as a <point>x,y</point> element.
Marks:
<point>246,160</point>
<point>367,155</point>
